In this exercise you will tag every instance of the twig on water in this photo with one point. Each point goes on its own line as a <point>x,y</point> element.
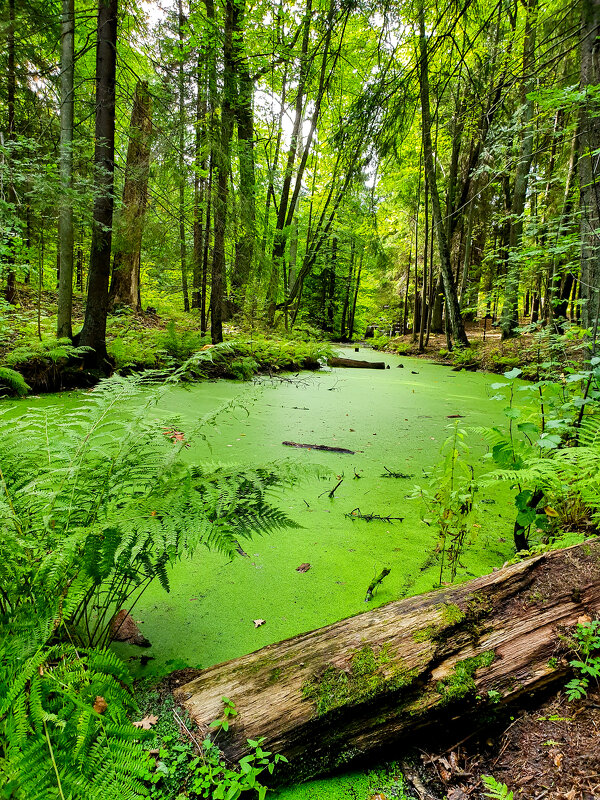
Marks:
<point>375,583</point>
<point>389,474</point>
<point>356,513</point>
<point>335,488</point>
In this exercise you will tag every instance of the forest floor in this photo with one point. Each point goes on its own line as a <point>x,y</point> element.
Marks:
<point>487,350</point>
<point>549,752</point>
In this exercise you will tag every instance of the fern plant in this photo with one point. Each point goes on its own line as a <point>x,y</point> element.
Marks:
<point>495,789</point>
<point>64,729</point>
<point>95,506</point>
<point>539,446</point>
<point>41,363</point>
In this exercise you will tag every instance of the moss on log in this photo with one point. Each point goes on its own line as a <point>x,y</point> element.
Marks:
<point>337,693</point>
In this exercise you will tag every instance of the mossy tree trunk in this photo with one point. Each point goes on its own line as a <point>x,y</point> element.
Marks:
<point>330,696</point>
<point>125,283</point>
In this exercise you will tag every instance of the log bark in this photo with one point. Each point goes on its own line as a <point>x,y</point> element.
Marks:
<point>339,693</point>
<point>355,363</point>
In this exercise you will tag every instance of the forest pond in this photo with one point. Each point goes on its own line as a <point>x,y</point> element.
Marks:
<point>395,420</point>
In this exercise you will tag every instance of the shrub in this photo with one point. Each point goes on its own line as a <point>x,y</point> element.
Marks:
<point>13,381</point>
<point>179,344</point>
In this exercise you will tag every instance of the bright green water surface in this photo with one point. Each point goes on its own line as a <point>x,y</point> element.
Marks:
<point>392,418</point>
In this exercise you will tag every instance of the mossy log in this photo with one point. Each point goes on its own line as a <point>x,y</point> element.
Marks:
<point>355,363</point>
<point>337,693</point>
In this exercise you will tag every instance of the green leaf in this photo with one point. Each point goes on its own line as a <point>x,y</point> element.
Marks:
<point>549,441</point>
<point>528,428</point>
<point>525,518</point>
<point>514,373</point>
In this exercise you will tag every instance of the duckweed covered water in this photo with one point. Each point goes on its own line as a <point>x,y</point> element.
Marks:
<point>395,419</point>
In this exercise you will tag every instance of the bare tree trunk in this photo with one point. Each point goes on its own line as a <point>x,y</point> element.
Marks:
<point>510,310</point>
<point>424,290</point>
<point>347,292</point>
<point>65,214</point>
<point>93,333</point>
<point>588,172</point>
<point>199,179</point>
<point>406,290</point>
<point>125,283</point>
<point>279,242</point>
<point>244,247</point>
<point>207,232</point>
<point>356,290</point>
<point>11,278</point>
<point>555,285</point>
<point>182,167</point>
<point>223,166</point>
<point>452,306</point>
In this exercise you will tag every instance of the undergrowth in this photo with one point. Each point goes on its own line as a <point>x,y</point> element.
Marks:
<point>134,346</point>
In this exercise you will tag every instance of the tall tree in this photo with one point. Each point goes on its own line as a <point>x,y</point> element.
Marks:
<point>182,167</point>
<point>244,247</point>
<point>223,159</point>
<point>588,172</point>
<point>65,215</point>
<point>93,333</point>
<point>11,78</point>
<point>125,281</point>
<point>452,305</point>
<point>510,310</point>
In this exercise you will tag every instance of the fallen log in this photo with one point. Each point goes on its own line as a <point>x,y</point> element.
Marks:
<point>334,361</point>
<point>335,694</point>
<point>320,447</point>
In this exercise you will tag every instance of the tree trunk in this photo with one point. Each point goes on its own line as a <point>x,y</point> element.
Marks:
<point>207,230</point>
<point>452,307</point>
<point>279,241</point>
<point>199,178</point>
<point>93,333</point>
<point>347,292</point>
<point>182,168</point>
<point>223,162</point>
<point>353,363</point>
<point>11,278</point>
<point>557,310</point>
<point>425,290</point>
<point>354,302</point>
<point>510,309</point>
<point>244,247</point>
<point>333,695</point>
<point>588,178</point>
<point>125,283</point>
<point>65,214</point>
